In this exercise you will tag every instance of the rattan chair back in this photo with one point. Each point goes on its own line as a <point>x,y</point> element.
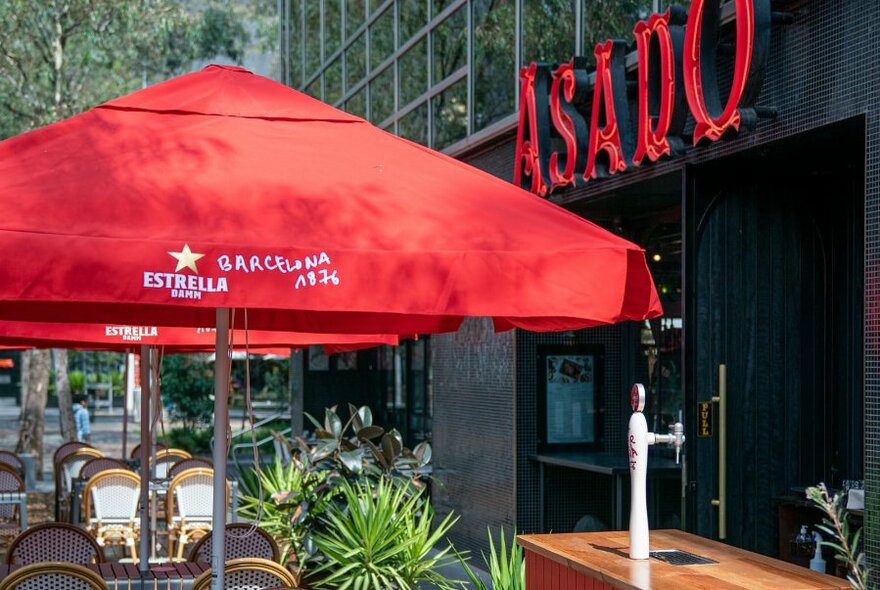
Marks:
<point>60,453</point>
<point>13,460</point>
<point>66,449</point>
<point>184,464</point>
<point>190,496</point>
<point>112,496</point>
<point>135,452</point>
<point>99,464</point>
<point>53,576</point>
<point>165,458</point>
<point>247,574</point>
<point>72,464</point>
<point>54,541</point>
<point>10,481</point>
<point>242,540</point>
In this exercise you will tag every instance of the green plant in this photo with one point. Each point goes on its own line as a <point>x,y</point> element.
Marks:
<point>188,389</point>
<point>507,571</point>
<point>846,545</point>
<point>356,456</point>
<point>380,538</point>
<point>287,501</point>
<point>77,381</point>
<point>290,500</point>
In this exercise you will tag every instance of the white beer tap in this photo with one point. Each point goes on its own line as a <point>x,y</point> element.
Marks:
<point>638,439</point>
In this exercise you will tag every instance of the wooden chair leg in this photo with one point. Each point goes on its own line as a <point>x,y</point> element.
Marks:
<point>132,545</point>
<point>181,543</point>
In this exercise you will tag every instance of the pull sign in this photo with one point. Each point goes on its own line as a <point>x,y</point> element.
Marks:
<point>704,419</point>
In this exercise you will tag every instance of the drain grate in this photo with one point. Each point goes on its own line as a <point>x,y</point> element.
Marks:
<point>676,557</point>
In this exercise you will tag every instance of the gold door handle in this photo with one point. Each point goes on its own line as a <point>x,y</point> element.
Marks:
<point>721,501</point>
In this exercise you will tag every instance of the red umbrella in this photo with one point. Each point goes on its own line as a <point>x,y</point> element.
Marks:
<point>120,337</point>
<point>221,189</point>
<point>224,189</point>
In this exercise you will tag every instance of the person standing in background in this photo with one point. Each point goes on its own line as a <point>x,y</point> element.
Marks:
<point>81,418</point>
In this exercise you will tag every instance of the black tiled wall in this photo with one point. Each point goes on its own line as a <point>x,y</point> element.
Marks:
<point>474,432</point>
<point>823,68</point>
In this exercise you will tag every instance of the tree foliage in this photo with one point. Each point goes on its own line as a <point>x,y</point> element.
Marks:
<point>187,385</point>
<point>60,57</point>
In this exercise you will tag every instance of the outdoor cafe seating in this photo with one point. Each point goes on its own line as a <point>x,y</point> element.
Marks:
<point>110,505</point>
<point>165,458</point>
<point>191,493</point>
<point>54,575</point>
<point>13,511</point>
<point>249,572</point>
<point>135,452</point>
<point>242,540</point>
<point>54,541</point>
<point>60,453</point>
<point>185,464</point>
<point>70,467</point>
<point>13,460</point>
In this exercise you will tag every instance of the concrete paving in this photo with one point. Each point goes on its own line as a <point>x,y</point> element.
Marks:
<point>106,436</point>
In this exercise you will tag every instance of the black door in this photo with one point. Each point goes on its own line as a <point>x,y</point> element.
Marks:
<point>774,295</point>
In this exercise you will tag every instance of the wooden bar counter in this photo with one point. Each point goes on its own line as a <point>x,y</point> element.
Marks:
<point>599,561</point>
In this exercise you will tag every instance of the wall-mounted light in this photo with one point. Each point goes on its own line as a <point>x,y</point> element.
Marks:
<point>656,257</point>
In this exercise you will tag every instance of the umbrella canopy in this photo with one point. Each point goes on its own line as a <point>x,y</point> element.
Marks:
<point>174,339</point>
<point>223,189</point>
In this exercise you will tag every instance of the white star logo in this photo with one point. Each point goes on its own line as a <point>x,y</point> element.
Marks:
<point>186,258</point>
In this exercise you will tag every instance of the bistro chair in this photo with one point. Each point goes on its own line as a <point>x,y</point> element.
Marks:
<point>66,449</point>
<point>247,574</point>
<point>70,468</point>
<point>59,454</point>
<point>54,541</point>
<point>190,507</point>
<point>90,469</point>
<point>10,482</point>
<point>13,460</point>
<point>135,452</point>
<point>110,506</point>
<point>242,540</point>
<point>185,464</point>
<point>165,458</point>
<point>53,576</point>
<point>99,464</point>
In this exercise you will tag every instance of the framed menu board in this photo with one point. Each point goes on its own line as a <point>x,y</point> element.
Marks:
<point>570,380</point>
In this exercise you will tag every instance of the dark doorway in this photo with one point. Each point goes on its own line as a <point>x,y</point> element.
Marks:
<point>774,288</point>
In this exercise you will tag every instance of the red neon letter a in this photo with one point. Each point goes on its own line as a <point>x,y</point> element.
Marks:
<point>533,134</point>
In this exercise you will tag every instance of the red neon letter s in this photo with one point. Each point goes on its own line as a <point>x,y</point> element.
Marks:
<point>651,140</point>
<point>570,87</point>
<point>700,83</point>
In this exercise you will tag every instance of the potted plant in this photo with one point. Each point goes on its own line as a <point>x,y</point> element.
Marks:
<point>290,500</point>
<point>846,544</point>
<point>382,537</point>
<point>507,570</point>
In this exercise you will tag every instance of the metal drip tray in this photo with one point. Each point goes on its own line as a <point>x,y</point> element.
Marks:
<point>676,557</point>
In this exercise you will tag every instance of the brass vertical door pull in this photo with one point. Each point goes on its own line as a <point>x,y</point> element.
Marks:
<point>721,501</point>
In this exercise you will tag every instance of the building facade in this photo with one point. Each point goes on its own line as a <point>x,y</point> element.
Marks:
<point>763,244</point>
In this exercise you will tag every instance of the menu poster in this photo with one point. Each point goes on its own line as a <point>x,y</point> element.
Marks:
<point>571,398</point>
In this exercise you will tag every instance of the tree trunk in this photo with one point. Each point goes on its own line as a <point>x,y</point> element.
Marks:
<point>65,399</point>
<point>33,408</point>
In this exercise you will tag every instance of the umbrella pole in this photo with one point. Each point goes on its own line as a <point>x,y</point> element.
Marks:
<point>125,406</point>
<point>221,423</point>
<point>146,375</point>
